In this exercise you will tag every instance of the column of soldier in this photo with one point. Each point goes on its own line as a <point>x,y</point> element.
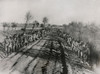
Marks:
<point>14,42</point>
<point>79,47</point>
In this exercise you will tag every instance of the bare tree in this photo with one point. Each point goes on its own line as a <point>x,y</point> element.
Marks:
<point>28,17</point>
<point>36,23</point>
<point>14,25</point>
<point>45,20</point>
<point>80,28</point>
<point>93,30</point>
<point>75,29</point>
<point>64,27</point>
<point>4,26</point>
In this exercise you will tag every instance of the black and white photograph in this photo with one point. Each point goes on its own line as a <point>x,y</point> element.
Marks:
<point>49,36</point>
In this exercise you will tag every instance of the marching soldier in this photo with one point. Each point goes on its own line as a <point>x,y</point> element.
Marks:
<point>6,45</point>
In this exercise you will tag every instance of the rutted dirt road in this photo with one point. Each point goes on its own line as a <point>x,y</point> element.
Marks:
<point>29,61</point>
<point>22,62</point>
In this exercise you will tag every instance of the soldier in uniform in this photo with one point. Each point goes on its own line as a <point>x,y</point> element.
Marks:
<point>10,45</point>
<point>6,44</point>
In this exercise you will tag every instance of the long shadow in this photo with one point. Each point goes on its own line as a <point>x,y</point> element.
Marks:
<point>44,54</point>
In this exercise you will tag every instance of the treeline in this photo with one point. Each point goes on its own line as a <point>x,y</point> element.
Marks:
<point>30,22</point>
<point>81,31</point>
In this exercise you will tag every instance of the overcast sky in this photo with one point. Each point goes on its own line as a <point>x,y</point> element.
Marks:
<point>58,11</point>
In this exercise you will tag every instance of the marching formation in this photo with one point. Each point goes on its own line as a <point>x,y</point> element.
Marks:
<point>78,46</point>
<point>14,42</point>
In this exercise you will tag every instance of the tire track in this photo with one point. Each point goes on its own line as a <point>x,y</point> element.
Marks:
<point>22,64</point>
<point>41,63</point>
<point>32,66</point>
<point>34,63</point>
<point>27,64</point>
<point>10,63</point>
